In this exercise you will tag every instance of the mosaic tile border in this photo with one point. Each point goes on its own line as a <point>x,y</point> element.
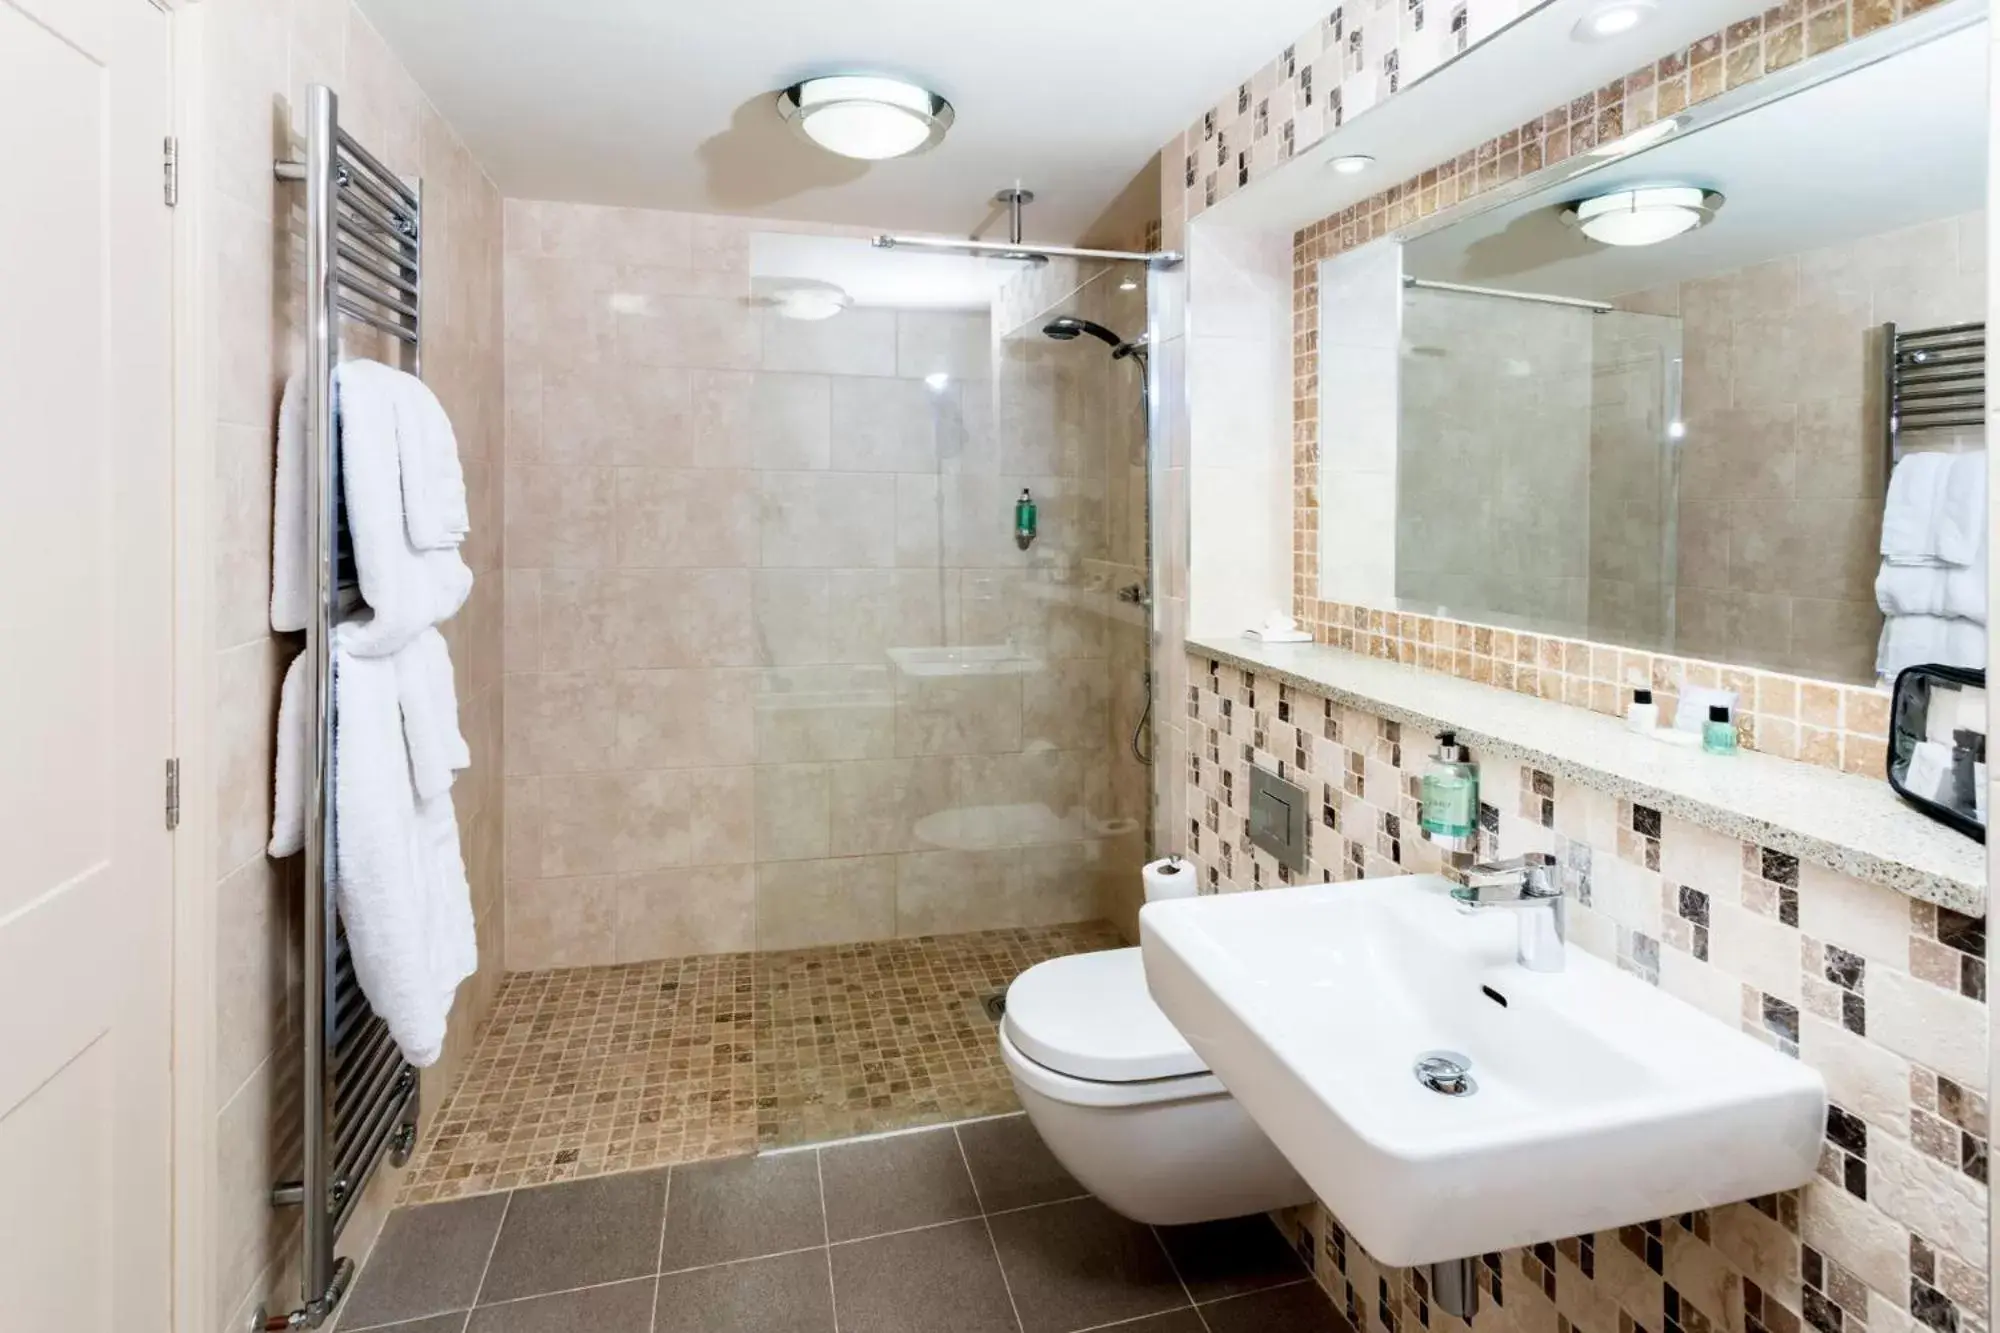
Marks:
<point>1843,727</point>
<point>1833,725</point>
<point>1884,995</point>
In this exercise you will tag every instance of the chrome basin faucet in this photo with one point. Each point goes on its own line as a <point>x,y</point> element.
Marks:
<point>1527,885</point>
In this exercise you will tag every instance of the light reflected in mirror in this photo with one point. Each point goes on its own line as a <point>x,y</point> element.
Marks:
<point>1681,446</point>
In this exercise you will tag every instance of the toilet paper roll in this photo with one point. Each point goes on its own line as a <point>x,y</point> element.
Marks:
<point>1169,878</point>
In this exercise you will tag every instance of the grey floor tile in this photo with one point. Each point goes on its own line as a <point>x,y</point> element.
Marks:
<point>921,1282</point>
<point>789,1293</point>
<point>909,1180</point>
<point>578,1234</point>
<point>1176,1321</point>
<point>1232,1257</point>
<point>1012,1166</point>
<point>1078,1264</point>
<point>437,1323</point>
<point>742,1209</point>
<point>625,1307</point>
<point>1299,1308</point>
<point>427,1261</point>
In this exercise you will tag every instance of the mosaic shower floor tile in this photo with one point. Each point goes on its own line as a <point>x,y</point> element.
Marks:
<point>583,1072</point>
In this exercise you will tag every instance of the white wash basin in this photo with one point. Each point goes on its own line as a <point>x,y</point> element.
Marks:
<point>1600,1101</point>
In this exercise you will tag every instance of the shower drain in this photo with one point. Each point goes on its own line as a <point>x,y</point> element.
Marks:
<point>1446,1072</point>
<point>995,1005</point>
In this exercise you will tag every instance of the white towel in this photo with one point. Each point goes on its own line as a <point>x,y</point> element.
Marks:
<point>1958,592</point>
<point>291,775</point>
<point>407,590</point>
<point>401,879</point>
<point>434,507</point>
<point>1910,513</point>
<point>1961,521</point>
<point>1929,640</point>
<point>428,697</point>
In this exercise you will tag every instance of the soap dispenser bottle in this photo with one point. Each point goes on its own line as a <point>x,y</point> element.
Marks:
<point>1450,797</point>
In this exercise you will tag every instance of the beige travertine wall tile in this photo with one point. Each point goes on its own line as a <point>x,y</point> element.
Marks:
<point>707,909</point>
<point>561,922</point>
<point>804,903</point>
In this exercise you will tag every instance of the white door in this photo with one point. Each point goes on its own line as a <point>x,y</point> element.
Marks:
<point>85,657</point>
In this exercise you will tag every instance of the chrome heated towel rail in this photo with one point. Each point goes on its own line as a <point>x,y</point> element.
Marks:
<point>363,266</point>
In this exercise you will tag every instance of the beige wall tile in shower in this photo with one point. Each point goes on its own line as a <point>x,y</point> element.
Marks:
<point>560,517</point>
<point>943,715</point>
<point>561,922</point>
<point>790,420</point>
<point>878,805</point>
<point>522,819</point>
<point>243,754</point>
<point>621,235</point>
<point>598,413</point>
<point>718,421</point>
<point>584,817</point>
<point>805,903</point>
<point>887,425</point>
<point>939,893</point>
<point>701,332</point>
<point>793,818</point>
<point>722,815</point>
<point>872,611</point>
<point>563,722</point>
<point>792,617</point>
<point>1060,881</point>
<point>954,343</point>
<point>919,542</point>
<point>685,719</point>
<point>686,518</point>
<point>1065,703</point>
<point>820,520</point>
<point>684,617</point>
<point>859,342</point>
<point>805,714</point>
<point>674,913</point>
<point>522,621</point>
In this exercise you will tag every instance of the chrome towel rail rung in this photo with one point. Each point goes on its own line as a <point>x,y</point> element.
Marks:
<point>399,209</point>
<point>351,148</point>
<point>396,277</point>
<point>398,255</point>
<point>1932,379</point>
<point>402,233</point>
<point>363,316</point>
<point>368,291</point>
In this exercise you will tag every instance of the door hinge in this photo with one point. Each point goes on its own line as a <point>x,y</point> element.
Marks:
<point>171,169</point>
<point>173,794</point>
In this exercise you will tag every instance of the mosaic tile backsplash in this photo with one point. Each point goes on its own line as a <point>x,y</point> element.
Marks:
<point>1883,995</point>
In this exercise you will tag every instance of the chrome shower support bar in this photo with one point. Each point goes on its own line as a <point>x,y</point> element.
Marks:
<point>1537,298</point>
<point>1007,250</point>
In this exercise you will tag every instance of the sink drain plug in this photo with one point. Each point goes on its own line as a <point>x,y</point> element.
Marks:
<point>1447,1072</point>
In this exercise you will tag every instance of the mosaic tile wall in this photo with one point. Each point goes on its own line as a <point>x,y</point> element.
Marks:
<point>1844,731</point>
<point>1883,995</point>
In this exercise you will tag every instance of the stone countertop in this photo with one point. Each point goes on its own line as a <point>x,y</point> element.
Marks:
<point>1852,824</point>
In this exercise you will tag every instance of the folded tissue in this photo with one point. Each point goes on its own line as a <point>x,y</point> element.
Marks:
<point>1279,629</point>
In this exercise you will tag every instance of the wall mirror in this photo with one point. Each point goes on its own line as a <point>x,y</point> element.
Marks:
<point>1532,419</point>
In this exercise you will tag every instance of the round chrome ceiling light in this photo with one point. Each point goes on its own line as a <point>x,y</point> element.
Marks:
<point>1643,217</point>
<point>1353,164</point>
<point>1613,18</point>
<point>866,116</point>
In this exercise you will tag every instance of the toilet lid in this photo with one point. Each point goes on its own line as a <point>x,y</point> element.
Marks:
<point>1089,1016</point>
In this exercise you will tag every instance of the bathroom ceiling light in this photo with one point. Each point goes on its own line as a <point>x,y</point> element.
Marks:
<point>1613,18</point>
<point>937,381</point>
<point>1643,217</point>
<point>1644,137</point>
<point>1353,164</point>
<point>810,300</point>
<point>866,116</point>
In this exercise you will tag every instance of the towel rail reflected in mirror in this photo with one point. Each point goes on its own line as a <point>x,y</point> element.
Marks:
<point>358,1095</point>
<point>1933,379</point>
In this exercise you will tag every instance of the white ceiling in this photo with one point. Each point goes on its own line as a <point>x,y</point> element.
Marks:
<point>667,103</point>
<point>1818,168</point>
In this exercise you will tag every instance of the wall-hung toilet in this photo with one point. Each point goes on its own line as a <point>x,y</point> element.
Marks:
<point>1126,1105</point>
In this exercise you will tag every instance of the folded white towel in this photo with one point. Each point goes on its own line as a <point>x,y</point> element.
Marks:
<point>1910,513</point>
<point>434,506</point>
<point>288,799</point>
<point>1929,640</point>
<point>407,590</point>
<point>429,700</point>
<point>1957,591</point>
<point>1961,520</point>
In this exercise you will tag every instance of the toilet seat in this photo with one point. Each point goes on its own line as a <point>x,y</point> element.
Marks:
<point>1085,1030</point>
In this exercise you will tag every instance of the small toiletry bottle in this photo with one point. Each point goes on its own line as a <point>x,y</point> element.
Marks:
<point>1644,715</point>
<point>1025,517</point>
<point>1719,735</point>
<point>1451,797</point>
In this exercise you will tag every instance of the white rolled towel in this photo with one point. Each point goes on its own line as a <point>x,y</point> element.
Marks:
<point>1909,641</point>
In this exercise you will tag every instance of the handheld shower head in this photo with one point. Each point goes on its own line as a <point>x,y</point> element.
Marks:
<point>1065,328</point>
